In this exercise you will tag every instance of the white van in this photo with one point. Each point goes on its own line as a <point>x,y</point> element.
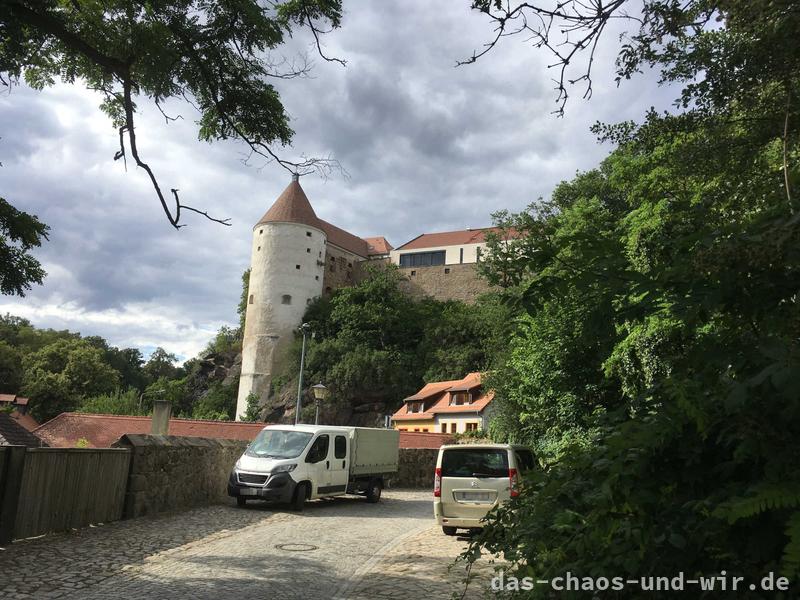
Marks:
<point>295,463</point>
<point>471,479</point>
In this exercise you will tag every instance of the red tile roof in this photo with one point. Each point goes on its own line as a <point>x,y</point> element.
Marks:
<point>14,399</point>
<point>101,431</point>
<point>27,421</point>
<point>437,397</point>
<point>344,239</point>
<point>413,439</point>
<point>292,206</point>
<point>14,434</point>
<point>378,245</point>
<point>452,238</point>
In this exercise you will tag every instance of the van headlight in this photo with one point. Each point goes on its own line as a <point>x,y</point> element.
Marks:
<point>238,465</point>
<point>285,468</point>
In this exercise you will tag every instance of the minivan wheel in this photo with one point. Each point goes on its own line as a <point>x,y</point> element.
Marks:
<point>299,499</point>
<point>448,530</point>
<point>241,501</point>
<point>374,491</point>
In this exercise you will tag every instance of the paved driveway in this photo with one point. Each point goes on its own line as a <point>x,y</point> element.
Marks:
<point>341,548</point>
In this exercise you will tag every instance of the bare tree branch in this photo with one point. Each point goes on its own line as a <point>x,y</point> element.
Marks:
<point>566,29</point>
<point>316,31</point>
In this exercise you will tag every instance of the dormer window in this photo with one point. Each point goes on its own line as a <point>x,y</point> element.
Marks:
<point>460,398</point>
<point>415,407</point>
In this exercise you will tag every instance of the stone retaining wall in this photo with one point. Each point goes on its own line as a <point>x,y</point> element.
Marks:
<point>170,473</point>
<point>415,469</point>
<point>174,473</point>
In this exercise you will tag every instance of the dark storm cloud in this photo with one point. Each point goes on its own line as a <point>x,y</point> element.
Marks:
<point>428,147</point>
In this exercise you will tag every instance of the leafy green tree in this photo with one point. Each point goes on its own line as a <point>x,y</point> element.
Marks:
<point>373,343</point>
<point>10,369</point>
<point>172,390</point>
<point>119,402</point>
<point>161,364</point>
<point>216,55</point>
<point>660,349</point>
<point>253,412</point>
<point>218,403</point>
<point>19,234</point>
<point>59,375</point>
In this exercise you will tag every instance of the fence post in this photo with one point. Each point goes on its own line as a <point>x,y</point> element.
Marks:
<point>9,494</point>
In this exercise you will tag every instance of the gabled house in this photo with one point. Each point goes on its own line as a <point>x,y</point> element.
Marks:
<point>446,407</point>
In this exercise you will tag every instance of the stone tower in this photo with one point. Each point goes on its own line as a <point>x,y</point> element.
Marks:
<point>287,266</point>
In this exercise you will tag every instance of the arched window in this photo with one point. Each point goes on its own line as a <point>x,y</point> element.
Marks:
<point>286,299</point>
<point>251,299</point>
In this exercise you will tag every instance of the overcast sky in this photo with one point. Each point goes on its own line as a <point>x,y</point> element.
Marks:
<point>428,147</point>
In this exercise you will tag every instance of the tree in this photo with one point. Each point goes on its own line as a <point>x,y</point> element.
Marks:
<point>161,364</point>
<point>10,369</point>
<point>216,55</point>
<point>19,233</point>
<point>660,345</point>
<point>253,412</point>
<point>60,374</point>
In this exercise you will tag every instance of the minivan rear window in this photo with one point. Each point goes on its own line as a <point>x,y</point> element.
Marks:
<point>475,462</point>
<point>525,460</point>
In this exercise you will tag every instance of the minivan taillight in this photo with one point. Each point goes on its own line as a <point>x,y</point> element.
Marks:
<point>513,481</point>
<point>437,483</point>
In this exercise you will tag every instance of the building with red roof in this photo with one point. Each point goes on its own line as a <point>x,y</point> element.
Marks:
<point>446,407</point>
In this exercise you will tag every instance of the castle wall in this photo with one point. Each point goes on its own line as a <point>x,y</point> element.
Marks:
<point>341,268</point>
<point>448,282</point>
<point>287,272</point>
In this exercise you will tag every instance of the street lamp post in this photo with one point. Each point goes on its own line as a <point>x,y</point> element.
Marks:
<point>320,393</point>
<point>304,328</point>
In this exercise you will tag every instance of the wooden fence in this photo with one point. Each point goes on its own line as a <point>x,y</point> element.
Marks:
<point>46,490</point>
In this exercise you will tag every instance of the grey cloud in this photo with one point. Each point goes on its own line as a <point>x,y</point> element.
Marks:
<point>428,146</point>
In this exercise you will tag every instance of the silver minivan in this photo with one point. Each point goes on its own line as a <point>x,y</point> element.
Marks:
<point>472,479</point>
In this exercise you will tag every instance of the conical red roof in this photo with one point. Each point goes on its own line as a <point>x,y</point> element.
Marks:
<point>292,206</point>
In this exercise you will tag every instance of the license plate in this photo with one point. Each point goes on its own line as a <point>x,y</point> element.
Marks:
<point>248,492</point>
<point>476,496</point>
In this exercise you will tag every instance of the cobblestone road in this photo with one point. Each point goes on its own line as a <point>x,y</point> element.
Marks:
<point>355,550</point>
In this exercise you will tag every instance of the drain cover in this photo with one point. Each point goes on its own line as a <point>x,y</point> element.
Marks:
<point>296,547</point>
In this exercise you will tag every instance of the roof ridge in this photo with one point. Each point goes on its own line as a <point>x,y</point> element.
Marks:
<point>145,417</point>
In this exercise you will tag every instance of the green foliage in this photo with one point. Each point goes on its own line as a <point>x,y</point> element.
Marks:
<point>227,341</point>
<point>241,309</point>
<point>58,375</point>
<point>161,364</point>
<point>217,56</point>
<point>10,369</point>
<point>172,390</point>
<point>19,234</point>
<point>119,402</point>
<point>373,343</point>
<point>218,403</point>
<point>253,412</point>
<point>657,368</point>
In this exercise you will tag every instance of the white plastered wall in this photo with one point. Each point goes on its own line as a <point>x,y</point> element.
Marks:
<point>278,249</point>
<point>452,254</point>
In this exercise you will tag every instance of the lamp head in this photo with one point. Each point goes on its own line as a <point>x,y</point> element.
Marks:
<point>320,391</point>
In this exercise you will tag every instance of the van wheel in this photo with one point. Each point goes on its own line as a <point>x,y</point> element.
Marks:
<point>241,501</point>
<point>374,491</point>
<point>448,530</point>
<point>299,499</point>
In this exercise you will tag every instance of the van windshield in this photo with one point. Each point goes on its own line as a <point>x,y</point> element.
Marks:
<point>278,443</point>
<point>475,462</point>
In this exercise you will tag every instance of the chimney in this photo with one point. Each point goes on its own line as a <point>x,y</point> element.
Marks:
<point>162,410</point>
